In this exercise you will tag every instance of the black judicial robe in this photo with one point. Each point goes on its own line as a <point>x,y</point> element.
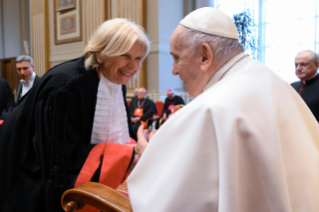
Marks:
<point>6,95</point>
<point>309,92</point>
<point>45,140</point>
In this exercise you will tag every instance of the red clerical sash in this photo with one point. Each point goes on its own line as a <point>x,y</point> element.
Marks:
<point>115,159</point>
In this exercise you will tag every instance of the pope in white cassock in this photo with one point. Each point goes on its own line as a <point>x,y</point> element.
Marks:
<point>246,143</point>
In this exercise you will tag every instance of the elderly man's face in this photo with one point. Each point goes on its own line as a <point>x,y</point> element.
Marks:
<point>141,94</point>
<point>24,70</point>
<point>170,95</point>
<point>305,67</point>
<point>185,63</point>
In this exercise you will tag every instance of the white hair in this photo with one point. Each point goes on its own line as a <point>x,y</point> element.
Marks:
<point>115,37</point>
<point>223,48</point>
<point>22,58</point>
<point>314,55</point>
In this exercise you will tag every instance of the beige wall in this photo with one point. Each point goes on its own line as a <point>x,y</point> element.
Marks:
<point>162,21</point>
<point>63,52</point>
<point>162,17</point>
<point>14,27</point>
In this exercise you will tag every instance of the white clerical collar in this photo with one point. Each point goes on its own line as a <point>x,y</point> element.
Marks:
<point>31,79</point>
<point>224,69</point>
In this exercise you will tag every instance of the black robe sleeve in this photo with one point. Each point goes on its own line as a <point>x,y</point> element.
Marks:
<point>148,109</point>
<point>62,143</point>
<point>128,112</point>
<point>179,101</point>
<point>6,96</point>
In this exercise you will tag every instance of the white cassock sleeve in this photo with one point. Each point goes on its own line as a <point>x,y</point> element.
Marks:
<point>233,150</point>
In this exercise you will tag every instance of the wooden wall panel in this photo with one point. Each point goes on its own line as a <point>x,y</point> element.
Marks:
<point>9,73</point>
<point>94,16</point>
<point>40,35</point>
<point>135,10</point>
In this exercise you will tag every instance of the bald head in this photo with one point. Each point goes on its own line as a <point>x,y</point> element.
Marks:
<point>170,93</point>
<point>141,93</point>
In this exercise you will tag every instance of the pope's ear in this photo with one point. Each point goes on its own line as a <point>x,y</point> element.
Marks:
<point>207,56</point>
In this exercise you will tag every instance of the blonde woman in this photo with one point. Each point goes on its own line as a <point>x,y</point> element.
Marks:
<point>75,122</point>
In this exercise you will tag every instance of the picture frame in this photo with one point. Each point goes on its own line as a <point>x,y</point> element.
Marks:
<point>65,5</point>
<point>67,24</point>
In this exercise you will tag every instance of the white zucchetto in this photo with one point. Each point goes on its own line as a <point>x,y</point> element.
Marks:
<point>211,21</point>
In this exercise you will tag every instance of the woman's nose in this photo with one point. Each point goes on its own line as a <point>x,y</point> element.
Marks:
<point>133,65</point>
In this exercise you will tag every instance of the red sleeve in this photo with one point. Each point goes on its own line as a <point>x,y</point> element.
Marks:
<point>115,160</point>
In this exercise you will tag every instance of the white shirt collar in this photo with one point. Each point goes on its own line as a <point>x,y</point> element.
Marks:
<point>27,84</point>
<point>30,80</point>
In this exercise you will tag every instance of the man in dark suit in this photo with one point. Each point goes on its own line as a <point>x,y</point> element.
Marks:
<point>25,69</point>
<point>307,64</point>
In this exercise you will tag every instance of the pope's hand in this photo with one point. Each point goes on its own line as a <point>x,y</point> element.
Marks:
<point>141,140</point>
<point>151,135</point>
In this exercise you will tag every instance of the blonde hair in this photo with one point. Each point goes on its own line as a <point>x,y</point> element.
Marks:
<point>115,37</point>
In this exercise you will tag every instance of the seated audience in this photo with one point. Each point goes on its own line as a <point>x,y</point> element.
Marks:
<point>170,102</point>
<point>142,111</point>
<point>307,64</point>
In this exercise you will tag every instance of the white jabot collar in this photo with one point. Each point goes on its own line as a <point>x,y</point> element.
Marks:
<point>110,118</point>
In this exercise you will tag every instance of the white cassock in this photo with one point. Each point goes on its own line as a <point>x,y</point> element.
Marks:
<point>248,143</point>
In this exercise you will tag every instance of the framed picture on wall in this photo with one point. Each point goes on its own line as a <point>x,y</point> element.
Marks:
<point>67,24</point>
<point>64,4</point>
